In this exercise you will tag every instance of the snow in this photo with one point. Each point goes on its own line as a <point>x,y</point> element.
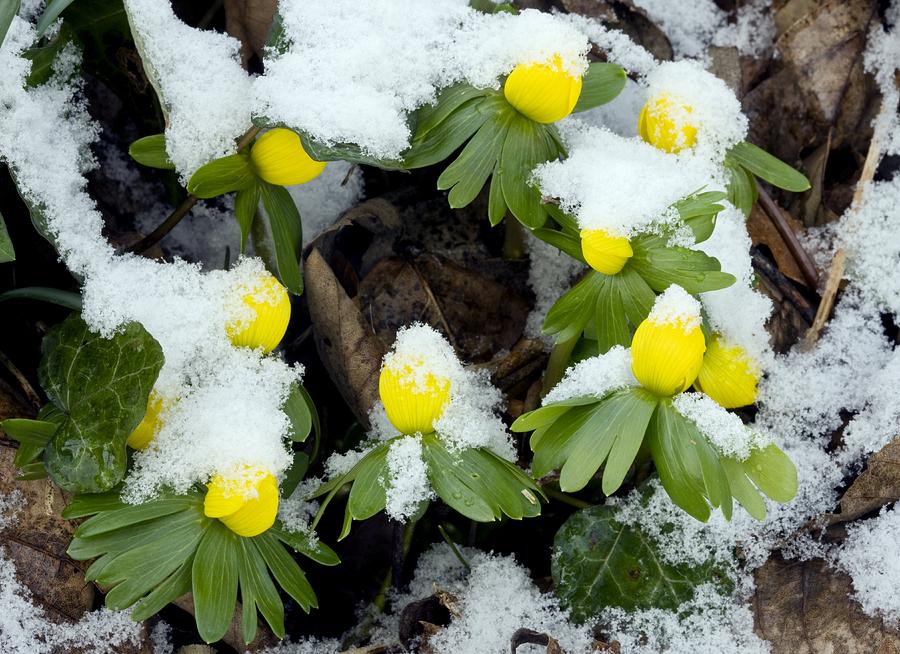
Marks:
<point>726,431</point>
<point>408,486</point>
<point>161,638</point>
<point>675,306</point>
<point>296,512</point>
<point>322,201</point>
<point>865,556</point>
<point>621,185</point>
<point>550,273</point>
<point>596,376</point>
<point>200,82</point>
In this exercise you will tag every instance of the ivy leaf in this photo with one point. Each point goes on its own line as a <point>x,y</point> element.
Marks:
<point>101,386</point>
<point>599,562</point>
<point>7,252</point>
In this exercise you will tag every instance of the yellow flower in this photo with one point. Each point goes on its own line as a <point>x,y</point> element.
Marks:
<point>664,123</point>
<point>604,252</point>
<point>271,306</point>
<point>666,356</point>
<point>140,438</point>
<point>728,375</point>
<point>412,405</point>
<point>246,501</point>
<point>279,158</point>
<point>543,92</point>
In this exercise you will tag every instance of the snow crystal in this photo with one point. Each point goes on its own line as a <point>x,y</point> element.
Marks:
<point>297,512</point>
<point>724,430</point>
<point>867,557</point>
<point>623,186</point>
<point>161,638</point>
<point>619,116</point>
<point>308,645</point>
<point>229,411</point>
<point>322,200</point>
<point>706,623</point>
<point>738,312</point>
<point>675,306</point>
<point>385,58</point>
<point>618,45</point>
<point>880,60</point>
<point>595,376</point>
<point>550,274</point>
<point>408,484</point>
<point>200,82</point>
<point>10,505</point>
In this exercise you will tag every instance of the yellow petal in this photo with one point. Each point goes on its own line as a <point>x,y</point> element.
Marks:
<point>666,357</point>
<point>411,407</point>
<point>728,374</point>
<point>272,308</point>
<point>278,157</point>
<point>543,92</point>
<point>140,438</point>
<point>603,252</point>
<point>664,122</point>
<point>245,501</point>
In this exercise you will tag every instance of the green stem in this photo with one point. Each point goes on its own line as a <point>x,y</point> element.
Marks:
<point>453,548</point>
<point>559,361</point>
<point>513,239</point>
<point>559,496</point>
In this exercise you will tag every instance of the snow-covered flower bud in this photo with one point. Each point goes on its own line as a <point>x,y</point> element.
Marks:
<point>604,252</point>
<point>246,501</point>
<point>413,397</point>
<point>544,92</point>
<point>140,438</point>
<point>271,311</point>
<point>728,374</point>
<point>665,123</point>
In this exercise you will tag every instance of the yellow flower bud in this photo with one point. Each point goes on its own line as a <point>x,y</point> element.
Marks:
<point>604,252</point>
<point>140,438</point>
<point>666,356</point>
<point>665,123</point>
<point>246,501</point>
<point>271,306</point>
<point>278,157</point>
<point>728,374</point>
<point>413,398</point>
<point>543,92</point>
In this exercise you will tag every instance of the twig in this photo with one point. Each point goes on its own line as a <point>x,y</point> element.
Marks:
<point>801,256</point>
<point>28,389</point>
<point>835,274</point>
<point>433,300</point>
<point>783,284</point>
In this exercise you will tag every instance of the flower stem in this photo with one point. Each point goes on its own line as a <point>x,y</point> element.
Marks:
<point>559,496</point>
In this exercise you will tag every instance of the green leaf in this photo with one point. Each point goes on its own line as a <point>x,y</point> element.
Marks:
<point>496,203</point>
<point>29,432</point>
<point>600,563</point>
<point>246,203</point>
<point>258,590</point>
<point>101,386</point>
<point>571,245</point>
<point>299,412</point>
<point>571,312</point>
<point>773,472</point>
<point>43,56</point>
<point>231,173</point>
<point>7,251</point>
<point>131,515</point>
<point>465,177</point>
<point>84,505</point>
<point>610,321</point>
<point>7,11</point>
<point>214,581</point>
<point>741,188</point>
<point>547,414</point>
<point>287,234</point>
<point>308,545</point>
<point>661,266</point>
<point>286,571</point>
<point>699,212</point>
<point>294,475</point>
<point>637,296</point>
<point>448,102</point>
<point>367,497</point>
<point>66,299</point>
<point>601,83</point>
<point>442,140</point>
<point>51,12</point>
<point>342,152</point>
<point>767,167</point>
<point>151,151</point>
<point>527,145</point>
<point>175,585</point>
<point>742,490</point>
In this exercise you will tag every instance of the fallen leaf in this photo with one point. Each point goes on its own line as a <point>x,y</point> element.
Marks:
<point>624,15</point>
<point>249,22</point>
<point>803,607</point>
<point>879,484</point>
<point>763,232</point>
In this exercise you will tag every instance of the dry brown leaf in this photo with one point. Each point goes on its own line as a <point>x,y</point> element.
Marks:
<point>624,15</point>
<point>803,607</point>
<point>345,341</point>
<point>249,21</point>
<point>763,232</point>
<point>879,484</point>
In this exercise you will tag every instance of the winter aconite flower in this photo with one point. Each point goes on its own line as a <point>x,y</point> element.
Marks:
<point>728,374</point>
<point>665,122</point>
<point>140,438</point>
<point>413,396</point>
<point>271,308</point>
<point>667,348</point>
<point>278,157</point>
<point>246,501</point>
<point>604,252</point>
<point>544,92</point>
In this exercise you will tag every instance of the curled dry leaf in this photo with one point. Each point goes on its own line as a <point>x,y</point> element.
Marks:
<point>803,607</point>
<point>249,21</point>
<point>878,485</point>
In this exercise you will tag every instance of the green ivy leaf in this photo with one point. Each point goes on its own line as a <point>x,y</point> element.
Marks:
<point>601,83</point>
<point>101,387</point>
<point>151,151</point>
<point>231,173</point>
<point>7,251</point>
<point>599,562</point>
<point>768,167</point>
